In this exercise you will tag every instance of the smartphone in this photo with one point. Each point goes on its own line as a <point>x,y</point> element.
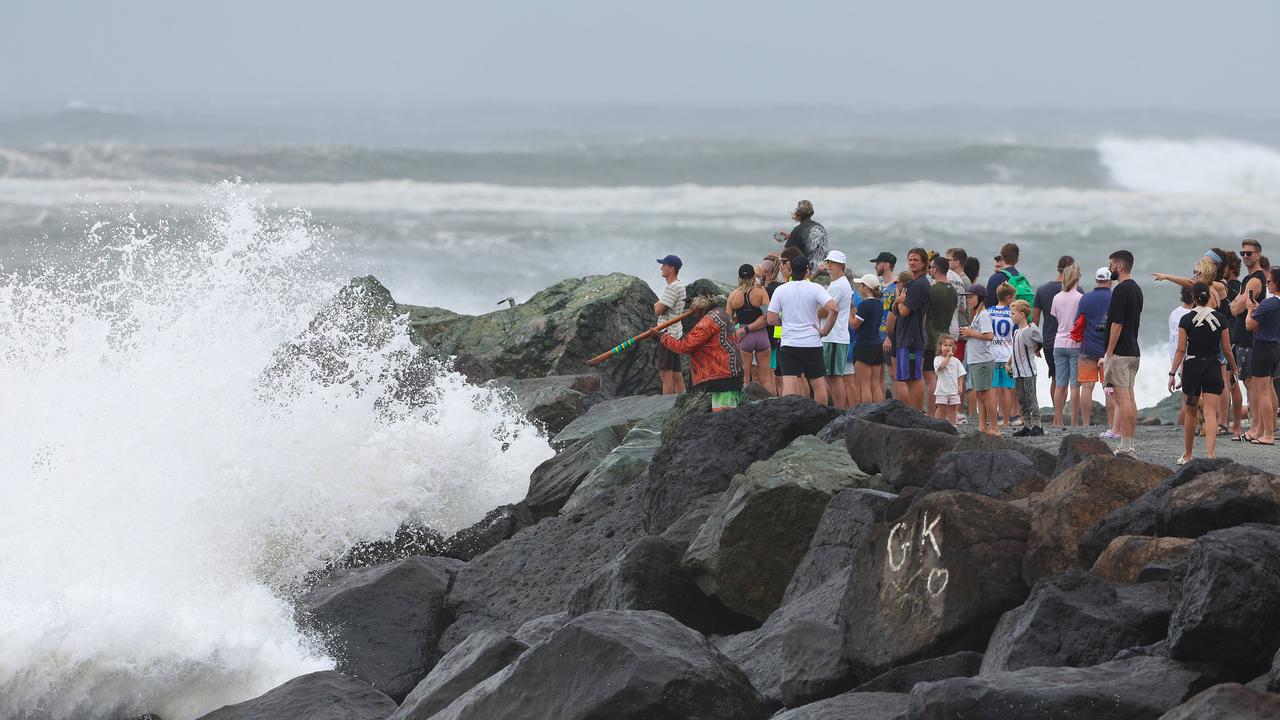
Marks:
<point>779,236</point>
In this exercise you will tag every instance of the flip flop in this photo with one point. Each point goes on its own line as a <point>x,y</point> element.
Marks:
<point>1222,430</point>
<point>1253,441</point>
<point>1237,438</point>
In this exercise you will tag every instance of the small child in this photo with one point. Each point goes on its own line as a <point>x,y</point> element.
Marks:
<point>1027,342</point>
<point>950,387</point>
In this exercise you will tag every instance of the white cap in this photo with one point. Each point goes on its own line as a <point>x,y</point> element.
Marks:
<point>836,256</point>
<point>1102,274</point>
<point>870,280</point>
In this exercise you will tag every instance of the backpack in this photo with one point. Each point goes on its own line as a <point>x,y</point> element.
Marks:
<point>1022,286</point>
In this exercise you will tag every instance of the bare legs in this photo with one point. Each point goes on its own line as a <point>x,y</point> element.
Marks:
<point>672,382</point>
<point>1190,413</point>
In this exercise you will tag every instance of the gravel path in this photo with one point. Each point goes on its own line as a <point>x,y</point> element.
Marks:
<point>1163,445</point>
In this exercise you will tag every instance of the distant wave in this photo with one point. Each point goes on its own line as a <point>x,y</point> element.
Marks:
<point>1197,166</point>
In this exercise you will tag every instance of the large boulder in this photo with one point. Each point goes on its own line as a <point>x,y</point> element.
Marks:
<point>618,415</point>
<point>554,407</point>
<point>1139,516</point>
<point>709,450</point>
<point>688,404</point>
<point>905,677</point>
<point>1135,689</point>
<point>687,526</point>
<point>497,525</point>
<point>1077,619</point>
<point>618,664</point>
<point>998,474</point>
<point>1229,701</point>
<point>902,456</point>
<point>851,706</point>
<point>385,622</point>
<point>813,663</point>
<point>934,582</point>
<point>1045,462</point>
<point>540,628</point>
<point>1230,496</point>
<point>536,572</point>
<point>1229,609</point>
<point>555,332</point>
<point>1074,449</point>
<point>847,521</point>
<point>462,668</point>
<point>1075,500</point>
<point>624,464</point>
<point>894,413</point>
<point>553,482</point>
<point>323,695</point>
<point>748,549</point>
<point>1125,558</point>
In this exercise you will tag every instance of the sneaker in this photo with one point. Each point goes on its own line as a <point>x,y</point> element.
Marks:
<point>1022,433</point>
<point>1017,421</point>
<point>1036,431</point>
<point>1127,452</point>
<point>964,420</point>
<point>1108,435</point>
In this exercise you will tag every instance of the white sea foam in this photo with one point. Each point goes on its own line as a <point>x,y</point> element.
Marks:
<point>156,509</point>
<point>1197,166</point>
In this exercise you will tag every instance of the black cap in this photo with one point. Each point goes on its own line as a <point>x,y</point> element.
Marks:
<point>671,260</point>
<point>886,257</point>
<point>746,271</point>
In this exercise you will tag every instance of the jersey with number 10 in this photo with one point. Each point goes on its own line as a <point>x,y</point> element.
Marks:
<point>1002,328</point>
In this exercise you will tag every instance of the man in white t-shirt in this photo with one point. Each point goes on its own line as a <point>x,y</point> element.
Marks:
<point>670,305</point>
<point>835,346</point>
<point>795,307</point>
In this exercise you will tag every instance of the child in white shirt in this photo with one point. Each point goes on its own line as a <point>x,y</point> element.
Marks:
<point>950,387</point>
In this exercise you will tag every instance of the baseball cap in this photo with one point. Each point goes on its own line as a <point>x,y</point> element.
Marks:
<point>836,256</point>
<point>746,271</point>
<point>885,257</point>
<point>671,260</point>
<point>976,289</point>
<point>1102,274</point>
<point>870,280</point>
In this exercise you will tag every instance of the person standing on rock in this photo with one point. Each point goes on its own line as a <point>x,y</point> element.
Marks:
<point>982,360</point>
<point>1065,354</point>
<point>868,354</point>
<point>943,300</point>
<point>950,385</point>
<point>1254,285</point>
<point>835,346</point>
<point>1041,315</point>
<point>884,264</point>
<point>1124,354</point>
<point>747,303</point>
<point>808,236</point>
<point>1202,334</point>
<point>795,307</point>
<point>1091,316</point>
<point>671,304</point>
<point>1027,343</point>
<point>1263,321</point>
<point>910,336</point>
<point>716,366</point>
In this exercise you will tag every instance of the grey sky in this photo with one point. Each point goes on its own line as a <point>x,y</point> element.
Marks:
<point>1217,57</point>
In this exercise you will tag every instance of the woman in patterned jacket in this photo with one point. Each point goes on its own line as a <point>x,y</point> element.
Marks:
<point>712,347</point>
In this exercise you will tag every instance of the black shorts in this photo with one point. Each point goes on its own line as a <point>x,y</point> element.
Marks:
<point>1265,359</point>
<point>869,354</point>
<point>1201,376</point>
<point>668,360</point>
<point>1244,356</point>
<point>795,361</point>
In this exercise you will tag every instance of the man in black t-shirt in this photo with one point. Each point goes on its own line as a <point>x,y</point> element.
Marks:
<point>1123,352</point>
<point>809,237</point>
<point>1253,285</point>
<point>909,335</point>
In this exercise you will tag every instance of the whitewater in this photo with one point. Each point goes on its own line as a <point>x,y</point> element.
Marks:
<point>160,504</point>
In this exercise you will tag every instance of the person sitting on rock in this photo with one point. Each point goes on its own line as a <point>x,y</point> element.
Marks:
<point>712,347</point>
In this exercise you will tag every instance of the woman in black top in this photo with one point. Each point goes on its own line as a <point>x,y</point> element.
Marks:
<point>746,303</point>
<point>1202,335</point>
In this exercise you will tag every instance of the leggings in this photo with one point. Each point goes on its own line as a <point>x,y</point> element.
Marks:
<point>1026,389</point>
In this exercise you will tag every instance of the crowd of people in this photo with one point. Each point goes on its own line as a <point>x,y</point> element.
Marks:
<point>942,339</point>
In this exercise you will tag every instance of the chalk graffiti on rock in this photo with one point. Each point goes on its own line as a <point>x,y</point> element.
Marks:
<point>905,543</point>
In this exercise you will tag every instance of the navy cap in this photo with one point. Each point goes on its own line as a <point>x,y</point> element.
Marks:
<point>671,260</point>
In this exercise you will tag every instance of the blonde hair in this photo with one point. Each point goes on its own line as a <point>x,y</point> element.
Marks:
<point>1206,270</point>
<point>1070,276</point>
<point>1005,291</point>
<point>945,339</point>
<point>1024,307</point>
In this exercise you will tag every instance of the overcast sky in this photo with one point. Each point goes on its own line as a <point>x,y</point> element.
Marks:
<point>1086,54</point>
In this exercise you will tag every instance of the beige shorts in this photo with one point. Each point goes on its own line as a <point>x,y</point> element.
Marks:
<point>1121,371</point>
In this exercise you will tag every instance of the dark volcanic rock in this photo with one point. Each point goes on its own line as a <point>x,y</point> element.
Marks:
<point>749,547</point>
<point>902,456</point>
<point>618,415</point>
<point>553,408</point>
<point>624,665</point>
<point>465,666</point>
<point>688,404</point>
<point>540,628</point>
<point>1127,556</point>
<point>851,706</point>
<point>1228,701</point>
<point>554,333</point>
<point>708,450</point>
<point>410,539</point>
<point>902,679</point>
<point>1273,676</point>
<point>1230,496</point>
<point>997,474</point>
<point>319,696</point>
<point>1077,619</point>
<point>498,525</point>
<point>386,621</point>
<point>625,464</point>
<point>935,582</point>
<point>555,480</point>
<point>894,413</point>
<point>813,665</point>
<point>846,522</point>
<point>1045,462</point>
<point>1075,500</point>
<point>686,527</point>
<point>1076,448</point>
<point>537,571</point>
<point>1229,611</point>
<point>1136,689</point>
<point>1139,516</point>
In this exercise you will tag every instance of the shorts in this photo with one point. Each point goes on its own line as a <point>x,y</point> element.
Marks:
<point>1088,370</point>
<point>835,358</point>
<point>870,354</point>
<point>1067,361</point>
<point>1244,359</point>
<point>1122,371</point>
<point>796,361</point>
<point>910,364</point>
<point>982,375</point>
<point>1001,378</point>
<point>668,360</point>
<point>726,400</point>
<point>755,341</point>
<point>1266,359</point>
<point>1201,376</point>
<point>946,399</point>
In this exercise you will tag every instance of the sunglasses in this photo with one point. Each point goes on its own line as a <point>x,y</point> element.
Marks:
<point>1248,253</point>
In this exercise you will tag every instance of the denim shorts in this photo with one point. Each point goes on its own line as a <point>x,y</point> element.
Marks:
<point>1067,363</point>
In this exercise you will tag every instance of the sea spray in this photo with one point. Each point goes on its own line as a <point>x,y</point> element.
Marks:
<point>158,508</point>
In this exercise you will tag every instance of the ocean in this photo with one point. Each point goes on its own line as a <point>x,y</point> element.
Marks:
<point>160,504</point>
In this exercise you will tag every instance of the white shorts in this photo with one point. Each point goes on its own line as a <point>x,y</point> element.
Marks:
<point>946,399</point>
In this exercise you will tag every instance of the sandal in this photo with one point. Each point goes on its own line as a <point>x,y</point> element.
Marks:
<point>1237,438</point>
<point>1222,430</point>
<point>1255,441</point>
